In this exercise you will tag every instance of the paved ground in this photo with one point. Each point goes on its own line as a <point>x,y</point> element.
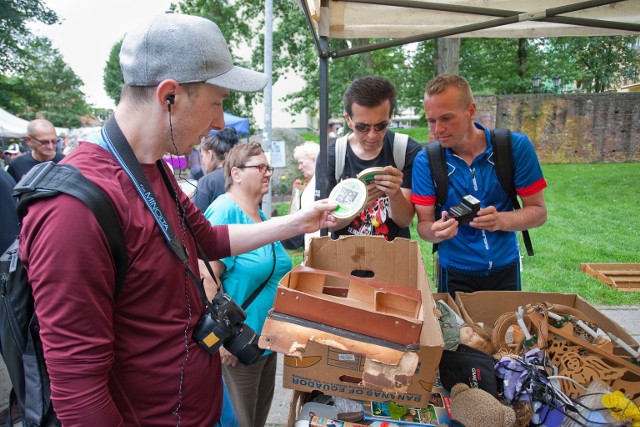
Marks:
<point>627,317</point>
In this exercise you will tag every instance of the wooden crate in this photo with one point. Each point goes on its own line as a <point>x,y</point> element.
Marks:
<point>620,276</point>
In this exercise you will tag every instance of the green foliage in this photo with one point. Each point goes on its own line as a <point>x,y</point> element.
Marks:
<point>310,136</point>
<point>581,228</point>
<point>113,80</point>
<point>409,69</point>
<point>421,69</point>
<point>14,34</point>
<point>102,114</point>
<point>420,134</point>
<point>237,20</point>
<point>478,59</point>
<point>595,63</point>
<point>47,88</point>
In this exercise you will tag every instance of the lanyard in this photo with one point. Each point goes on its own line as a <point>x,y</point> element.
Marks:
<point>118,146</point>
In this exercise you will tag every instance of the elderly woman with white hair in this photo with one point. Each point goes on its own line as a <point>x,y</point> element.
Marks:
<point>306,155</point>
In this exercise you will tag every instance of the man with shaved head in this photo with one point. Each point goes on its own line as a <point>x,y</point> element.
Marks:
<point>42,138</point>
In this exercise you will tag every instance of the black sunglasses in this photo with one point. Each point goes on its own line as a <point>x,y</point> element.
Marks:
<point>364,128</point>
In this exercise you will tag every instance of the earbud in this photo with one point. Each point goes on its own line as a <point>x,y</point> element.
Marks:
<point>170,100</point>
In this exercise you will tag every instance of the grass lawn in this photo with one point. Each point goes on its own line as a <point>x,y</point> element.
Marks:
<point>592,217</point>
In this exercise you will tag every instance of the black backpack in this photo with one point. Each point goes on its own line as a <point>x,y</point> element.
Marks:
<point>503,162</point>
<point>20,343</point>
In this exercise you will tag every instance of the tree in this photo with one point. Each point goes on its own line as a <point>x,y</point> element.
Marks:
<point>113,80</point>
<point>499,66</point>
<point>448,55</point>
<point>295,52</point>
<point>47,87</point>
<point>596,64</point>
<point>492,66</point>
<point>14,34</point>
<point>232,18</point>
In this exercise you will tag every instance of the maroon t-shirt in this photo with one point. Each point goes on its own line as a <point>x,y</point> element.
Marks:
<point>134,363</point>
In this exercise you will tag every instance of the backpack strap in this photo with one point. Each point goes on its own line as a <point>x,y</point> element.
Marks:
<point>503,163</point>
<point>438,167</point>
<point>49,179</point>
<point>400,141</point>
<point>340,155</point>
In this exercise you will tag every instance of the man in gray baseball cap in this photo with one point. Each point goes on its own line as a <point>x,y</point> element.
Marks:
<point>130,359</point>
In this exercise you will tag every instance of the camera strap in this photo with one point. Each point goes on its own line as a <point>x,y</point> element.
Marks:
<point>118,145</point>
<point>255,293</point>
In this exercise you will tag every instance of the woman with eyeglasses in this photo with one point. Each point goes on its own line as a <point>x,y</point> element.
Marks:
<point>213,150</point>
<point>247,174</point>
<point>41,137</point>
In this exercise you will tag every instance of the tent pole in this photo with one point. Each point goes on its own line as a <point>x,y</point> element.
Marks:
<point>321,174</point>
<point>268,104</point>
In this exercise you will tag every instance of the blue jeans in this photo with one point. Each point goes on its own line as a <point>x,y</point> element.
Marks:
<point>228,417</point>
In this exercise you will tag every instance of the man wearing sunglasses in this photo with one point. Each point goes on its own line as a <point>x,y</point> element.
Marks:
<point>42,138</point>
<point>369,103</point>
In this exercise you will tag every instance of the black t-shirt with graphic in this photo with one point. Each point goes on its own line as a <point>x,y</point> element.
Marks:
<point>373,220</point>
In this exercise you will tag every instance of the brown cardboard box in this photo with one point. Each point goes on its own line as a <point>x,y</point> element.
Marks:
<point>446,297</point>
<point>487,306</point>
<point>339,372</point>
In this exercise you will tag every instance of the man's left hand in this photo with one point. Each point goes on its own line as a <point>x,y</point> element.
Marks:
<point>487,219</point>
<point>390,182</point>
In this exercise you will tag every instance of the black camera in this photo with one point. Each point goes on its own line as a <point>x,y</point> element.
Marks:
<point>223,324</point>
<point>465,211</point>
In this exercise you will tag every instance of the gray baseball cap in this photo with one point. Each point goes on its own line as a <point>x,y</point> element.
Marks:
<point>185,48</point>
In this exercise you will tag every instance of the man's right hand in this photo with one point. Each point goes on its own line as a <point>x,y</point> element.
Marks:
<point>445,228</point>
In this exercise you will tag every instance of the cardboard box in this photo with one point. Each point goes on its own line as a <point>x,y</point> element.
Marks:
<point>487,306</point>
<point>448,299</point>
<point>438,412</point>
<point>338,372</point>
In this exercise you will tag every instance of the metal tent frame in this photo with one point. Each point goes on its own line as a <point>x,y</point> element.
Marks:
<point>416,20</point>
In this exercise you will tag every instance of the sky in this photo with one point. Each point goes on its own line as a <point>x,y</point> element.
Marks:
<point>87,32</point>
<point>89,29</point>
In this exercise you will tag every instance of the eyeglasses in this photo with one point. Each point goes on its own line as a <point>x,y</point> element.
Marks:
<point>262,168</point>
<point>364,128</point>
<point>45,141</point>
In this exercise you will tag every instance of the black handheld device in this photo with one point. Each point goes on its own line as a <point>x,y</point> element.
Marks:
<point>465,211</point>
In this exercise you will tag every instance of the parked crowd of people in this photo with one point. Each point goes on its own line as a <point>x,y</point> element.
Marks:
<point>132,361</point>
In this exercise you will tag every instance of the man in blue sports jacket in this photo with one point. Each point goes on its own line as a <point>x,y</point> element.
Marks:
<point>484,254</point>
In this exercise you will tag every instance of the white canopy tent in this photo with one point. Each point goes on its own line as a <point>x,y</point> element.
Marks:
<point>473,18</point>
<point>407,21</point>
<point>14,127</point>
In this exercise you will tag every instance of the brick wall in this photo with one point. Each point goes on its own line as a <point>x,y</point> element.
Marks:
<point>570,128</point>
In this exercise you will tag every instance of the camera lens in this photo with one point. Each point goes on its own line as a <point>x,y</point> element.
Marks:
<point>244,346</point>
